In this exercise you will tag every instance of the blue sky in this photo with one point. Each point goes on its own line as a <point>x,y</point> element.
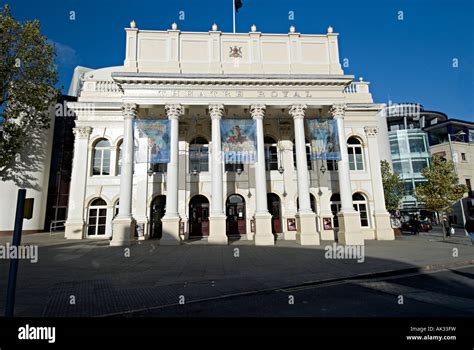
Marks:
<point>409,60</point>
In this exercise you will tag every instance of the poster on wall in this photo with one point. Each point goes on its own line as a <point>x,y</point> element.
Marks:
<point>327,223</point>
<point>239,142</point>
<point>152,141</point>
<point>324,139</point>
<point>291,224</point>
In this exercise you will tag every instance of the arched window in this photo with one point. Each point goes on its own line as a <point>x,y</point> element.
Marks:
<point>308,155</point>
<point>101,158</point>
<point>354,150</point>
<point>199,155</point>
<point>97,218</point>
<point>119,158</point>
<point>360,204</point>
<point>118,161</point>
<point>271,153</point>
<point>335,202</point>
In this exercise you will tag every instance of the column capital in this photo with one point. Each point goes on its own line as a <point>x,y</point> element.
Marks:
<point>129,110</point>
<point>371,130</point>
<point>174,111</point>
<point>216,111</point>
<point>298,111</point>
<point>257,111</point>
<point>82,132</point>
<point>338,110</point>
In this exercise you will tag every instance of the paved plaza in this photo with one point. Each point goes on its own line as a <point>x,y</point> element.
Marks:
<point>90,278</point>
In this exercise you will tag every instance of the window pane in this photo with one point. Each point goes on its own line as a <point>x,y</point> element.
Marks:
<point>352,165</point>
<point>418,165</point>
<point>102,143</point>
<point>91,230</point>
<point>101,230</point>
<point>360,164</point>
<point>417,144</point>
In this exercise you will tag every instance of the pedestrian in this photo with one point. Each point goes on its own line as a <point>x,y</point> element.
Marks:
<point>470,228</point>
<point>414,225</point>
<point>447,227</point>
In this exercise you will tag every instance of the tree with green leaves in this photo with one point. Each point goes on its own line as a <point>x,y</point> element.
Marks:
<point>441,189</point>
<point>393,187</point>
<point>28,77</point>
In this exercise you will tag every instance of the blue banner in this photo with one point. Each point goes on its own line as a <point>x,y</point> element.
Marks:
<point>324,139</point>
<point>153,141</point>
<point>239,142</point>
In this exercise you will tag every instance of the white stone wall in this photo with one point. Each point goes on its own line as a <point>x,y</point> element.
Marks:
<point>31,173</point>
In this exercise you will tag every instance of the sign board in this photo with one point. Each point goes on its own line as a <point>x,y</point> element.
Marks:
<point>28,210</point>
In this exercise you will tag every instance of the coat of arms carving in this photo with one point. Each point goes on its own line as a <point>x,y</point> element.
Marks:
<point>235,52</point>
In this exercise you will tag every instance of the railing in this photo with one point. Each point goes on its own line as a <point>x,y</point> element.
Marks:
<point>54,225</point>
<point>351,88</point>
<point>357,87</point>
<point>107,86</point>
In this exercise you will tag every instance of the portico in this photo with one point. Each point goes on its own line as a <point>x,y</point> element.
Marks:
<point>195,96</point>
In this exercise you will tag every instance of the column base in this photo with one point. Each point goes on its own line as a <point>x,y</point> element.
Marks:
<point>306,233</point>
<point>263,230</point>
<point>123,231</point>
<point>383,227</point>
<point>170,229</point>
<point>350,232</point>
<point>74,230</point>
<point>217,230</point>
<point>327,235</point>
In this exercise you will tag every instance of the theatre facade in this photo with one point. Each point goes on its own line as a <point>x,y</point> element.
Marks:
<point>197,82</point>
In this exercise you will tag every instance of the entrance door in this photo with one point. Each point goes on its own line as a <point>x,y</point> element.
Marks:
<point>158,207</point>
<point>235,209</point>
<point>198,216</point>
<point>273,204</point>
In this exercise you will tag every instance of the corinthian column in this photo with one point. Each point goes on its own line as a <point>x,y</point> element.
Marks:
<point>306,233</point>
<point>383,228</point>
<point>349,220</point>
<point>75,219</point>
<point>263,219</point>
<point>123,230</point>
<point>217,218</point>
<point>171,219</point>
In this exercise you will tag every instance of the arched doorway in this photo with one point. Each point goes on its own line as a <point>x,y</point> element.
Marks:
<point>312,203</point>
<point>97,218</point>
<point>235,209</point>
<point>198,216</point>
<point>158,208</point>
<point>274,207</point>
<point>335,202</point>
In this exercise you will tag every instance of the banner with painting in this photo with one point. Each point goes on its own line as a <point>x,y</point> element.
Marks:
<point>239,141</point>
<point>152,139</point>
<point>324,139</point>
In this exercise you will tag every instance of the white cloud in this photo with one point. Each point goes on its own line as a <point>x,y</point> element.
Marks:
<point>66,55</point>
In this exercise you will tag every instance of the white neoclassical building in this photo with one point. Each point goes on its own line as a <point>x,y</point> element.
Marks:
<point>195,80</point>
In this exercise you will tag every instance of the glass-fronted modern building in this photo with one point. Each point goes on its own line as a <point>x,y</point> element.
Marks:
<point>453,140</point>
<point>409,146</point>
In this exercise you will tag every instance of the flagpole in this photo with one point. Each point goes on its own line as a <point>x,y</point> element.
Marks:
<point>233,13</point>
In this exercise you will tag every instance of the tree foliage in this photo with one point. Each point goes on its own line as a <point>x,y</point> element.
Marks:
<point>442,189</point>
<point>28,77</point>
<point>393,187</point>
